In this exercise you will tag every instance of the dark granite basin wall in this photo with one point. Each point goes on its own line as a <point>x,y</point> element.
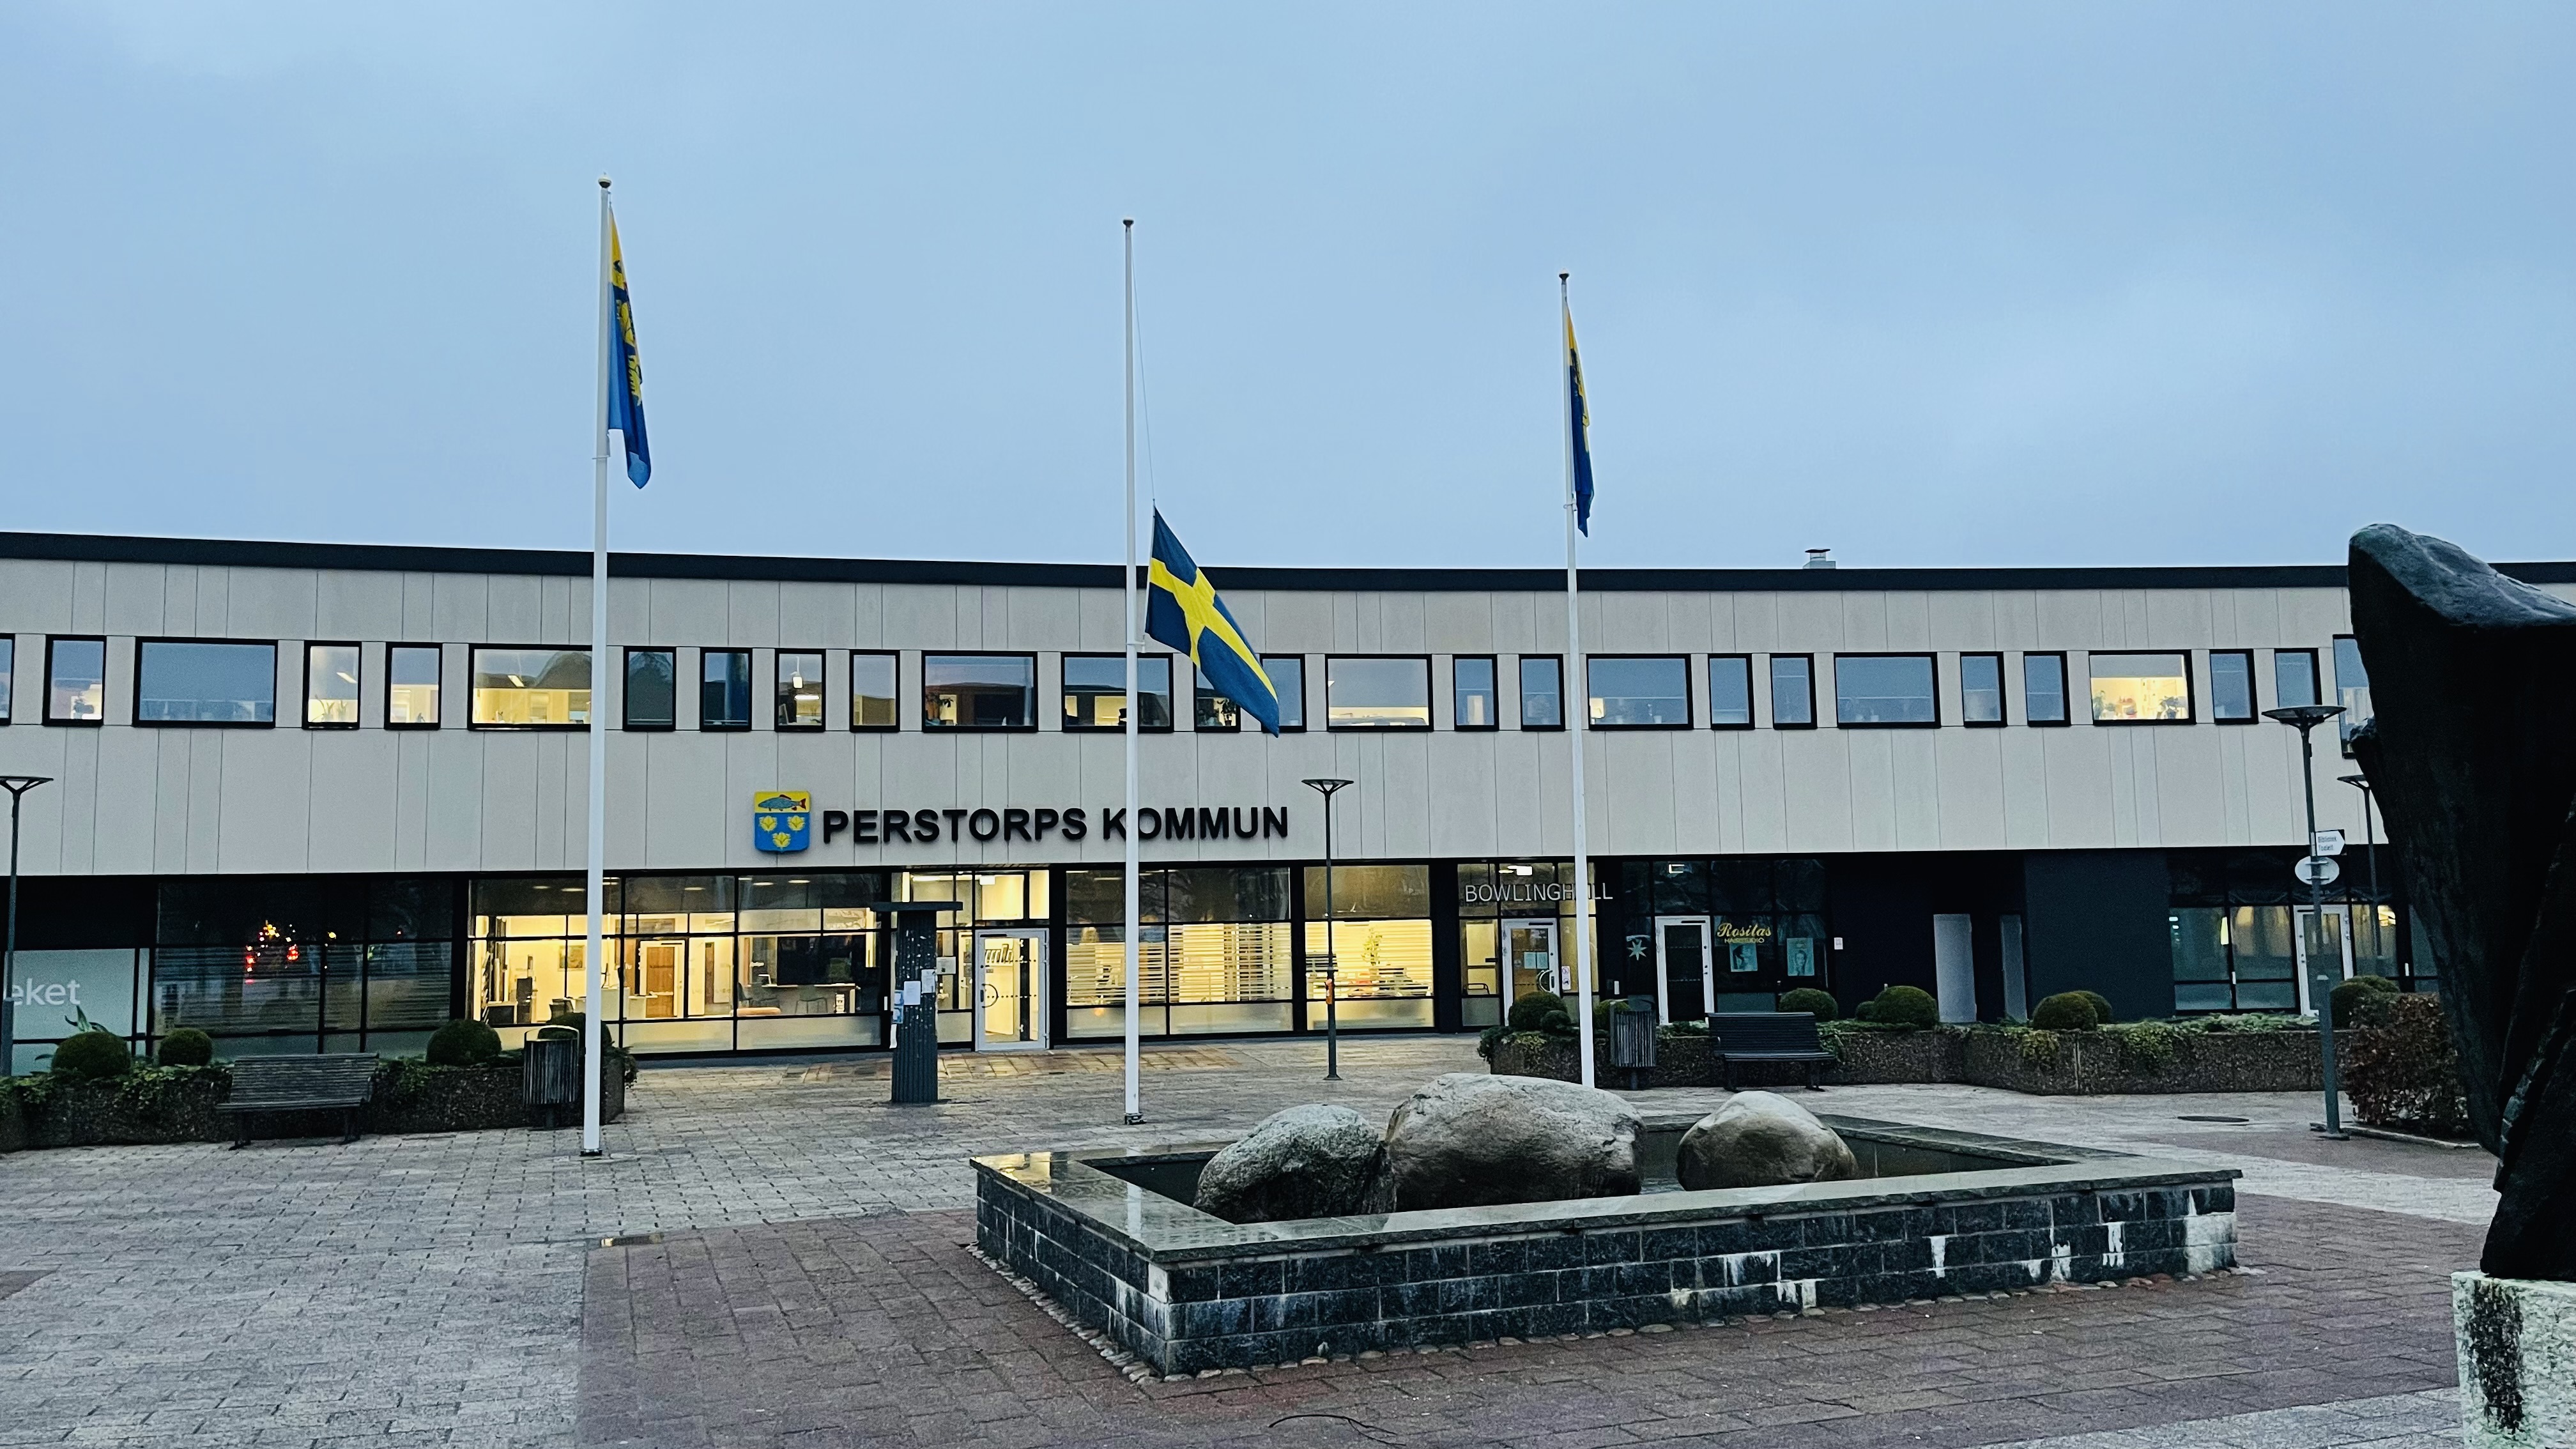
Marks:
<point>1186,1291</point>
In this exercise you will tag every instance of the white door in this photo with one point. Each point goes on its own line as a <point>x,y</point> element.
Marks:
<point>2333,953</point>
<point>1010,990</point>
<point>1954,967</point>
<point>1685,971</point>
<point>1529,958</point>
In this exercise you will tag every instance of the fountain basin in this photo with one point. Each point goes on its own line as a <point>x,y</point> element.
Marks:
<point>1111,1236</point>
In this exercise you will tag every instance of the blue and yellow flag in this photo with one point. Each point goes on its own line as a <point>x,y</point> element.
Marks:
<point>1578,417</point>
<point>625,370</point>
<point>1183,611</point>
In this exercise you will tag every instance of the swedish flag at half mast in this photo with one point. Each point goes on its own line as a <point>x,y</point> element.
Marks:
<point>1183,611</point>
<point>626,370</point>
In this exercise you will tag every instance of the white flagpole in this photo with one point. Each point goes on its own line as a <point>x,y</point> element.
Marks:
<point>1577,697</point>
<point>1127,590</point>
<point>596,876</point>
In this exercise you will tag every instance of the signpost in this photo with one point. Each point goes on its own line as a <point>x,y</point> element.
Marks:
<point>2316,870</point>
<point>916,1002</point>
<point>2326,842</point>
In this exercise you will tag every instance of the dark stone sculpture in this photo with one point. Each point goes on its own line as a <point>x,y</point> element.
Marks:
<point>2472,755</point>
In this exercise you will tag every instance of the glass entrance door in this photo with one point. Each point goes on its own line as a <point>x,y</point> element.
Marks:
<point>1529,958</point>
<point>1010,990</point>
<point>1685,978</point>
<point>2324,958</point>
<point>661,980</point>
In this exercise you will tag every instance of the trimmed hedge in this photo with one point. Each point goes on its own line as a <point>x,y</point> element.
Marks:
<point>462,1043</point>
<point>2103,1015</point>
<point>1534,1010</point>
<point>2402,1070</point>
<point>93,1056</point>
<point>2066,1011</point>
<point>1902,1006</point>
<point>1818,1004</point>
<point>187,1047</point>
<point>2362,1000</point>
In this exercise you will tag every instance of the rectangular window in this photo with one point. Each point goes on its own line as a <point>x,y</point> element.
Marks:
<point>1377,693</point>
<point>800,689</point>
<point>1475,695</point>
<point>2231,686</point>
<point>979,692</point>
<point>1542,692</point>
<point>330,686</point>
<point>1095,691</point>
<point>411,686</point>
<point>190,682</point>
<point>1638,693</point>
<point>1884,689</point>
<point>872,690</point>
<point>1213,711</point>
<point>531,689</point>
<point>8,670</point>
<point>1981,689</point>
<point>652,689</point>
<point>2352,688</point>
<point>2294,677</point>
<point>1288,677</point>
<point>2043,688</point>
<point>724,689</point>
<point>1793,692</point>
<point>1730,691</point>
<point>75,681</point>
<point>2140,688</point>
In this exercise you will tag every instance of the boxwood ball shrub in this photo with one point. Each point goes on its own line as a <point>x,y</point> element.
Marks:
<point>1530,1013</point>
<point>187,1047</point>
<point>93,1056</point>
<point>1818,1004</point>
<point>2363,1001</point>
<point>463,1043</point>
<point>2066,1011</point>
<point>2103,1015</point>
<point>1903,1006</point>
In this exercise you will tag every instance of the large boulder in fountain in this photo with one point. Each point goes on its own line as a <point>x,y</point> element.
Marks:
<point>1761,1139</point>
<point>1306,1162</point>
<point>1470,1139</point>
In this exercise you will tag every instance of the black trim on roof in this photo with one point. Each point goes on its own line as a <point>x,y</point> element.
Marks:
<point>406,558</point>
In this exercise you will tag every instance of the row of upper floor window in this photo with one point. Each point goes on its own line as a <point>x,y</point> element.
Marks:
<point>224,682</point>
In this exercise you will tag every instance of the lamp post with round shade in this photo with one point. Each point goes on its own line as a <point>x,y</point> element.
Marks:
<point>17,786</point>
<point>2304,718</point>
<point>1328,788</point>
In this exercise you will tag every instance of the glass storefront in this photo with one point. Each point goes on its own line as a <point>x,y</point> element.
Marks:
<point>1380,935</point>
<point>2238,917</point>
<point>1727,933</point>
<point>304,963</point>
<point>1214,952</point>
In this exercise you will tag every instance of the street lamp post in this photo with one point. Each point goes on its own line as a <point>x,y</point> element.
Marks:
<point>17,786</point>
<point>1328,788</point>
<point>2304,718</point>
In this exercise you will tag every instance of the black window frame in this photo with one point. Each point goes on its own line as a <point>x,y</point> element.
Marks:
<point>1752,708</point>
<point>2065,704</point>
<point>9,703</point>
<point>52,640</point>
<point>135,706</point>
<point>895,699</point>
<point>1777,723</point>
<point>626,691</point>
<point>1932,673</point>
<point>1520,689</point>
<point>2003,693</point>
<point>750,714</point>
<point>2190,689</point>
<point>1690,706</point>
<point>1036,694</point>
<point>357,705</point>
<point>1144,658</point>
<point>1430,699</point>
<point>2316,676</point>
<point>1211,712</point>
<point>2352,718</point>
<point>2253,689</point>
<point>473,652</point>
<point>1299,660</point>
<point>779,694</point>
<point>438,716</point>
<point>1493,693</point>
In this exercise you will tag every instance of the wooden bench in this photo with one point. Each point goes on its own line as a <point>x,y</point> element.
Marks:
<point>1768,1036</point>
<point>339,1081</point>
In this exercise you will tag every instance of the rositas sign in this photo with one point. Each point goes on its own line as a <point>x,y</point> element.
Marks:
<point>785,820</point>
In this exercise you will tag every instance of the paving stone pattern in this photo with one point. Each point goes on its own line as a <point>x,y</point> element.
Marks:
<point>444,1289</point>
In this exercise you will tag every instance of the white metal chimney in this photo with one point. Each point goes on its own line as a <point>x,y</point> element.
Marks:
<point>1820,558</point>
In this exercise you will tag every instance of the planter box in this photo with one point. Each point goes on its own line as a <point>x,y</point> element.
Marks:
<point>177,1104</point>
<point>2047,1064</point>
<point>2517,1345</point>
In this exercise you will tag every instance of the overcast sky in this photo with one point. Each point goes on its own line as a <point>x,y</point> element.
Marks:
<point>1946,284</point>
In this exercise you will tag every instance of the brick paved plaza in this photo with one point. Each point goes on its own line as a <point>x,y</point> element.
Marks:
<point>802,1278</point>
